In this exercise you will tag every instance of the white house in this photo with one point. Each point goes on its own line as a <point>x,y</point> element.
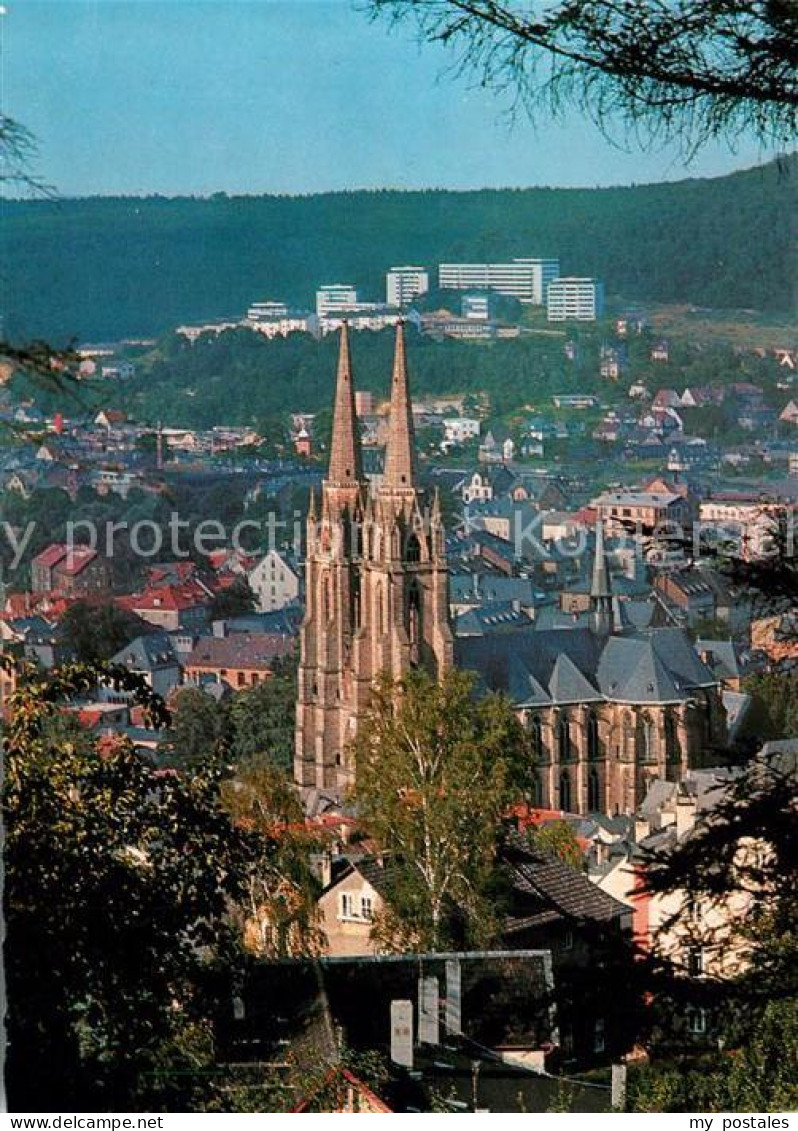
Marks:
<point>459,429</point>
<point>274,581</point>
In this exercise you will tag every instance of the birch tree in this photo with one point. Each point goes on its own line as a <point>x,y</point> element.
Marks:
<point>436,771</point>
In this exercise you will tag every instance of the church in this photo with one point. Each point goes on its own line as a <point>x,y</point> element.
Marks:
<point>608,709</point>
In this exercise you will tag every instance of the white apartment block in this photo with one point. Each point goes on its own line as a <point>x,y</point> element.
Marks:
<point>459,429</point>
<point>267,309</point>
<point>403,284</point>
<point>573,298</point>
<point>335,297</point>
<point>366,316</point>
<point>274,581</point>
<point>476,307</point>
<point>281,325</point>
<point>525,279</point>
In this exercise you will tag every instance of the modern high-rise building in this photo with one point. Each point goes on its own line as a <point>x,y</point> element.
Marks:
<point>525,279</point>
<point>403,284</point>
<point>575,299</point>
<point>335,297</point>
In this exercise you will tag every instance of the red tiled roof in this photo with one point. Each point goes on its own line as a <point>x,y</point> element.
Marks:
<point>51,556</point>
<point>77,559</point>
<point>71,559</point>
<point>173,598</point>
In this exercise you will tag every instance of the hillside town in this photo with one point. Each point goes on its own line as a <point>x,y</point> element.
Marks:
<point>641,671</point>
<point>398,590</point>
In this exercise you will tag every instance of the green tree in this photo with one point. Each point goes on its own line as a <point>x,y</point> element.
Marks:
<point>436,770</point>
<point>200,727</point>
<point>264,717</point>
<point>234,601</point>
<point>774,707</point>
<point>118,884</point>
<point>97,632</point>
<point>280,915</point>
<point>745,853</point>
<point>558,839</point>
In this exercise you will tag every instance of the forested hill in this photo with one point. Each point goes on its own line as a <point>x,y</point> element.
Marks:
<point>110,267</point>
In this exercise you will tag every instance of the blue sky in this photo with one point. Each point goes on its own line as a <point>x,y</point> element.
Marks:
<point>288,96</point>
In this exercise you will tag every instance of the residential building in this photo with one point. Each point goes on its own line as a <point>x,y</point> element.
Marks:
<point>275,320</point>
<point>460,429</point>
<point>442,324</point>
<point>335,297</point>
<point>643,511</point>
<point>171,607</point>
<point>274,581</point>
<point>243,659</point>
<point>70,571</point>
<point>364,316</point>
<point>153,657</point>
<point>573,298</point>
<point>476,306</point>
<point>403,284</point>
<point>527,280</point>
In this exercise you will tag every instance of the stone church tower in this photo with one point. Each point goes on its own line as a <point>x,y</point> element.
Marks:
<point>377,595</point>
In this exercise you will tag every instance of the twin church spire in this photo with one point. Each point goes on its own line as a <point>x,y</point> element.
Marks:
<point>376,585</point>
<point>346,460</point>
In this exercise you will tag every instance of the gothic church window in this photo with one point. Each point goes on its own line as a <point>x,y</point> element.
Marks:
<point>565,792</point>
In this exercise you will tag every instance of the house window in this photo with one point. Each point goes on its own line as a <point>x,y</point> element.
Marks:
<point>347,905</point>
<point>598,1035</point>
<point>568,940</point>
<point>695,961</point>
<point>697,1021</point>
<point>366,907</point>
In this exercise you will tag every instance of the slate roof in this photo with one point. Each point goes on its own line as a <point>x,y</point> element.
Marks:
<point>256,650</point>
<point>147,653</point>
<point>727,659</point>
<point>567,892</point>
<point>575,665</point>
<point>495,616</point>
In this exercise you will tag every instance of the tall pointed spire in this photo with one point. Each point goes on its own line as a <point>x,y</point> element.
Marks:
<point>400,452</point>
<point>600,586</point>
<point>346,464</point>
<point>601,614</point>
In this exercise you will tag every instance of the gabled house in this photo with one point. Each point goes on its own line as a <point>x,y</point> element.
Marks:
<point>240,660</point>
<point>153,657</point>
<point>275,581</point>
<point>70,571</point>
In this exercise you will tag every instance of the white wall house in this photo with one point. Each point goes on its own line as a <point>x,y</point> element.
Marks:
<point>459,429</point>
<point>274,581</point>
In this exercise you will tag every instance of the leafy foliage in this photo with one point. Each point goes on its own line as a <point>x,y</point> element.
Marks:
<point>436,770</point>
<point>759,1077</point>
<point>747,851</point>
<point>263,718</point>
<point>119,880</point>
<point>97,632</point>
<point>557,839</point>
